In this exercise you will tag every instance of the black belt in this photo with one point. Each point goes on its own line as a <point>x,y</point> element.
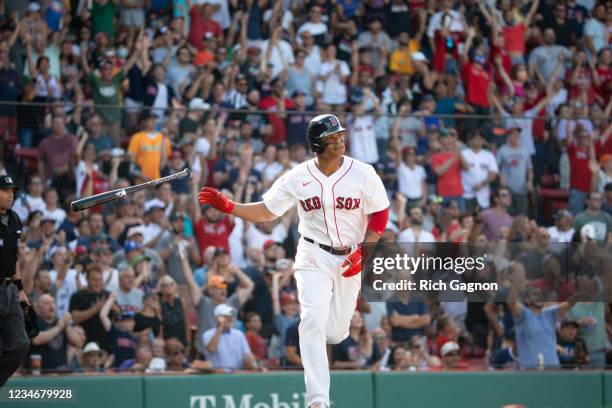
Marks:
<point>327,248</point>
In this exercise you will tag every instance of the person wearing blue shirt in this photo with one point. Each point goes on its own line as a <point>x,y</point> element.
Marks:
<point>408,316</point>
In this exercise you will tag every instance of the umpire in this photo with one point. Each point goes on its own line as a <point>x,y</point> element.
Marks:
<point>14,342</point>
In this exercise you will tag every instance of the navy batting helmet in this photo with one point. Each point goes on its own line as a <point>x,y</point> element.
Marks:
<point>320,127</point>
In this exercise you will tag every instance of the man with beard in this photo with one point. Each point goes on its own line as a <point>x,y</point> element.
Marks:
<point>55,334</point>
<point>169,244</point>
<point>415,233</point>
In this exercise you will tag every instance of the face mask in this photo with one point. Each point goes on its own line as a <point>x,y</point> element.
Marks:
<point>122,52</point>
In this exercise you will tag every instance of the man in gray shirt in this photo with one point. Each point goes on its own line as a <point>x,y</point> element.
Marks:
<point>169,243</point>
<point>216,294</point>
<point>545,57</point>
<point>515,171</point>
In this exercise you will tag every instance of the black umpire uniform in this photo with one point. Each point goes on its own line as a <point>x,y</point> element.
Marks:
<point>14,342</point>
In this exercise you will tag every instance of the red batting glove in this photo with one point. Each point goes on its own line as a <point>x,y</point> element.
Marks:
<point>216,199</point>
<point>352,265</point>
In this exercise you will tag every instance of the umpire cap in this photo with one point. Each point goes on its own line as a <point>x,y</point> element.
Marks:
<point>320,127</point>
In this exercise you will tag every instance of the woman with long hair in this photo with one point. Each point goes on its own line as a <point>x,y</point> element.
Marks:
<point>358,350</point>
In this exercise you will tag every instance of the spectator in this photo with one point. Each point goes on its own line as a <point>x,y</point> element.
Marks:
<point>129,297</point>
<point>149,318</point>
<point>332,78</point>
<point>595,32</point>
<point>447,165</point>
<point>171,242</point>
<point>451,357</point>
<point>481,173</point>
<point>293,357</point>
<point>535,327</point>
<point>411,178</point>
<point>140,362</point>
<point>285,308</point>
<point>415,232</point>
<point>594,216</point>
<point>93,358</point>
<point>571,350</point>
<point>358,350</point>
<point>496,218</point>
<point>55,152</point>
<point>149,149</point>
<point>603,175</point>
<point>277,102</point>
<point>226,347</point>
<point>175,355</point>
<point>516,172</point>
<point>256,342</point>
<point>216,294</point>
<point>122,339</point>
<point>212,227</point>
<point>174,310</point>
<point>408,316</point>
<point>55,334</point>
<point>64,278</point>
<point>31,201</point>
<point>85,307</point>
<point>562,231</point>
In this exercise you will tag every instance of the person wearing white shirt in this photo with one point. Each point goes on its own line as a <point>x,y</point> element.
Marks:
<point>314,25</point>
<point>280,54</point>
<point>411,178</point>
<point>453,21</point>
<point>333,76</point>
<point>415,233</point>
<point>482,172</point>
<point>222,13</point>
<point>26,204</point>
<point>362,139</point>
<point>595,32</point>
<point>64,278</point>
<point>562,232</point>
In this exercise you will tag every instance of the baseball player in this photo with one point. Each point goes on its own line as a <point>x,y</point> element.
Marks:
<point>341,204</point>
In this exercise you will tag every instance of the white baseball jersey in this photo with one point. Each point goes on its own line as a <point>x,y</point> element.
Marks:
<point>333,210</point>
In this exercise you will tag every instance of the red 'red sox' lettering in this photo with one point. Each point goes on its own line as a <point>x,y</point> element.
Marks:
<point>312,203</point>
<point>349,203</point>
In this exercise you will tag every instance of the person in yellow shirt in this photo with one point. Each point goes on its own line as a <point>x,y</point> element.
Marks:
<point>146,148</point>
<point>401,61</point>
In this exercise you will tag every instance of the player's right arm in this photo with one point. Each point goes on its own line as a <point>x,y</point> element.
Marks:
<point>276,201</point>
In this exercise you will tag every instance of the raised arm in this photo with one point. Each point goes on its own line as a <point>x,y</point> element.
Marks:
<point>104,319</point>
<point>194,291</point>
<point>531,13</point>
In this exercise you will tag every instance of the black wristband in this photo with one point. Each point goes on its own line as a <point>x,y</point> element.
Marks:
<point>19,284</point>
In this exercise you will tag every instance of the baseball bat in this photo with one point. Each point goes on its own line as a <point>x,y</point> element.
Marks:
<point>113,195</point>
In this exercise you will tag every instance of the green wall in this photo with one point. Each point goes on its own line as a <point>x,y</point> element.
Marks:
<point>567,389</point>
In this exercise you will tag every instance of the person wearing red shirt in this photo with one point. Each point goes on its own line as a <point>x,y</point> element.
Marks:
<point>580,172</point>
<point>257,344</point>
<point>202,23</point>
<point>476,77</point>
<point>277,103</point>
<point>604,88</point>
<point>447,165</point>
<point>212,228</point>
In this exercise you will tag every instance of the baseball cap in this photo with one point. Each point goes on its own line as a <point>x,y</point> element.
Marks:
<point>418,56</point>
<point>91,347</point>
<point>7,182</point>
<point>224,310</point>
<point>254,50</point>
<point>269,243</point>
<point>57,249</point>
<point>608,187</point>
<point>511,128</point>
<point>138,229</point>
<point>177,216</point>
<point>604,158</point>
<point>46,217</point>
<point>131,246</point>
<point>198,103</point>
<point>33,7</point>
<point>147,114</point>
<point>220,251</point>
<point>149,294</point>
<point>568,320</point>
<point>449,347</point>
<point>562,213</point>
<point>287,297</point>
<point>216,281</point>
<point>154,204</point>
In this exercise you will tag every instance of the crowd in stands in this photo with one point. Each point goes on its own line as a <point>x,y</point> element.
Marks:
<point>488,121</point>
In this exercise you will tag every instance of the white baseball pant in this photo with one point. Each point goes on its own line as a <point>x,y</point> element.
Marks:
<point>327,301</point>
